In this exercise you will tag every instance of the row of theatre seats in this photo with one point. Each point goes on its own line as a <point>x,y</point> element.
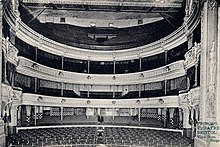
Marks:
<point>89,136</point>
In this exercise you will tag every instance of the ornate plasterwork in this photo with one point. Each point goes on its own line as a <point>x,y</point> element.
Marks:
<point>190,98</point>
<point>10,94</point>
<point>10,52</point>
<point>192,56</point>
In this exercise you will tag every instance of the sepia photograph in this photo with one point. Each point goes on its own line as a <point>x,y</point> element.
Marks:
<point>109,73</point>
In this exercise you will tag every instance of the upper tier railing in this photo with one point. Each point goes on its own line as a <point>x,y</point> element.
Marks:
<point>146,3</point>
<point>28,67</point>
<point>35,39</point>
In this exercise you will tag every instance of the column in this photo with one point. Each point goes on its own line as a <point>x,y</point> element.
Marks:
<point>28,114</point>
<point>13,112</point>
<point>88,91</point>
<point>1,64</point>
<point>159,113</point>
<point>165,87</point>
<point>180,118</point>
<point>114,66</point>
<point>19,116</point>
<point>196,75</point>
<point>61,114</point>
<point>166,59</point>
<point>164,116</point>
<point>35,84</point>
<point>190,40</point>
<point>88,66</point>
<point>62,87</point>
<point>62,62</point>
<point>40,113</point>
<point>140,63</point>
<point>139,114</point>
<point>35,115</point>
<point>139,89</point>
<point>171,121</point>
<point>36,52</point>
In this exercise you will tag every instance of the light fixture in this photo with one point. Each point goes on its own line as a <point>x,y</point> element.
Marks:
<point>63,101</point>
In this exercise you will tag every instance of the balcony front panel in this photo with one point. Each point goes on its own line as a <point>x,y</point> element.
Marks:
<point>31,68</point>
<point>41,100</point>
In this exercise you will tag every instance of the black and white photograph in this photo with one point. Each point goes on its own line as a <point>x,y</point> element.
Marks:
<point>109,73</point>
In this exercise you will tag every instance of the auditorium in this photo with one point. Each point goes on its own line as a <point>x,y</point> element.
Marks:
<point>110,73</point>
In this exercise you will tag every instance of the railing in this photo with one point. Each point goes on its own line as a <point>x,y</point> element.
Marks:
<point>35,39</point>
<point>176,4</point>
<point>42,100</point>
<point>171,71</point>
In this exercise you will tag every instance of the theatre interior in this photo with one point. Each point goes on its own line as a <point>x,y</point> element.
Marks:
<point>110,73</point>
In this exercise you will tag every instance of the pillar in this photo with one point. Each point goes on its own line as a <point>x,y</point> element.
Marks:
<point>88,70</point>
<point>114,66</point>
<point>139,89</point>
<point>35,84</point>
<point>35,115</point>
<point>164,116</point>
<point>61,114</point>
<point>165,87</point>
<point>28,112</point>
<point>19,116</point>
<point>36,53</point>
<point>1,52</point>
<point>40,112</point>
<point>140,63</point>
<point>186,122</point>
<point>62,87</point>
<point>159,113</point>
<point>62,62</point>
<point>171,121</point>
<point>196,75</point>
<point>180,118</point>
<point>13,112</point>
<point>166,59</point>
<point>139,114</point>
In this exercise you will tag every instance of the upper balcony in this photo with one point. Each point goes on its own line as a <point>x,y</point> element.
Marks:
<point>165,43</point>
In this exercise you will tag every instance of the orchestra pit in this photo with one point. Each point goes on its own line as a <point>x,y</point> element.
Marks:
<point>109,73</point>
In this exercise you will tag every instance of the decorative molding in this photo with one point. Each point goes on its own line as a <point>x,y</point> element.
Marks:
<point>10,52</point>
<point>11,94</point>
<point>192,56</point>
<point>190,98</point>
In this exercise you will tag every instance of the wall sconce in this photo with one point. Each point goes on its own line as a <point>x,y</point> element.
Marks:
<point>34,65</point>
<point>113,102</point>
<point>88,101</point>
<point>138,102</point>
<point>168,68</point>
<point>63,101</point>
<point>60,73</point>
<point>141,75</point>
<point>160,101</point>
<point>40,99</point>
